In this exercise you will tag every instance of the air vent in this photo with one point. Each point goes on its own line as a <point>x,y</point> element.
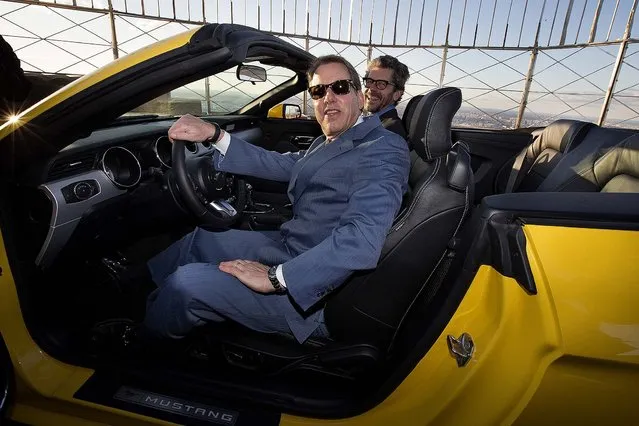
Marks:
<point>71,165</point>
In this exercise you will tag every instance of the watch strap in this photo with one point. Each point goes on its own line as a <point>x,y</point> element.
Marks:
<point>272,276</point>
<point>216,135</point>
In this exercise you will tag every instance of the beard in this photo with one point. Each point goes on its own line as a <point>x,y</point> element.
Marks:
<point>376,101</point>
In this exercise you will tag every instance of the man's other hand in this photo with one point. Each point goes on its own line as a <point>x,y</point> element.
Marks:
<point>254,275</point>
<point>192,129</point>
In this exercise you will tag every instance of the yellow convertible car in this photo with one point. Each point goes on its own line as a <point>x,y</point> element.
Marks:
<point>507,292</point>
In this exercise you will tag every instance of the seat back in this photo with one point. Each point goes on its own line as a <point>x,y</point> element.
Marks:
<point>612,170</point>
<point>549,145</point>
<point>371,305</point>
<point>579,160</point>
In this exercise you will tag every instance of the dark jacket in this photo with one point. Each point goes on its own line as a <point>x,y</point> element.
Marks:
<point>391,121</point>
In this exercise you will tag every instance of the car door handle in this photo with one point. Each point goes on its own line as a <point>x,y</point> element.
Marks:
<point>302,141</point>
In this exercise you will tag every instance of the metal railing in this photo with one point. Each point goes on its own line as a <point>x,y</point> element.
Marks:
<point>519,63</point>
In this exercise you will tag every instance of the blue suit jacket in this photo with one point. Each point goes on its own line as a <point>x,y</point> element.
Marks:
<point>345,195</point>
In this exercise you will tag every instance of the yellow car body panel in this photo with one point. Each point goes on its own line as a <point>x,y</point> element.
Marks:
<point>595,286</point>
<point>595,289</point>
<point>276,112</point>
<point>95,77</point>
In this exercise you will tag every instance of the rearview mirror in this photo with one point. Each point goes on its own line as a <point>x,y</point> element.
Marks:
<point>250,73</point>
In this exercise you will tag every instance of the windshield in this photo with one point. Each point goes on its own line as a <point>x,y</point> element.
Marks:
<point>219,94</point>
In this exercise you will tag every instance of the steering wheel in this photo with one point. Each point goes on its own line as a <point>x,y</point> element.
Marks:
<point>217,213</point>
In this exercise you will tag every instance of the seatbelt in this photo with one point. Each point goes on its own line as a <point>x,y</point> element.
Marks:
<point>432,287</point>
<point>516,169</point>
<point>442,270</point>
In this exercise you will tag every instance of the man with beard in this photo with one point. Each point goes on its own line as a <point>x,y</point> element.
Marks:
<point>384,82</point>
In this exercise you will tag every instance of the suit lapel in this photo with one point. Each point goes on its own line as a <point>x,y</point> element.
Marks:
<point>295,172</point>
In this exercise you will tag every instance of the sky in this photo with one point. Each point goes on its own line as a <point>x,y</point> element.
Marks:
<point>398,21</point>
<point>49,39</point>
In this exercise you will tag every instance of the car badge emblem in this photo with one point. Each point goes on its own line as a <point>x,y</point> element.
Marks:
<point>461,349</point>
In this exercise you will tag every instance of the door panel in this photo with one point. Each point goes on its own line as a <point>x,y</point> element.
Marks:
<point>490,152</point>
<point>592,276</point>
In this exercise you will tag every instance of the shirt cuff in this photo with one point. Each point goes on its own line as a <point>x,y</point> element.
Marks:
<point>223,144</point>
<point>280,275</point>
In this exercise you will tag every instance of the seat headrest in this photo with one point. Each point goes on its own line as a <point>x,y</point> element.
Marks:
<point>409,111</point>
<point>618,169</point>
<point>429,131</point>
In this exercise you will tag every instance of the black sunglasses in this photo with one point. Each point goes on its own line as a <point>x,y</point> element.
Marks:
<point>380,84</point>
<point>339,87</point>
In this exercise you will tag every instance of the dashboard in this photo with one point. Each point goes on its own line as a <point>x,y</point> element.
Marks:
<point>110,167</point>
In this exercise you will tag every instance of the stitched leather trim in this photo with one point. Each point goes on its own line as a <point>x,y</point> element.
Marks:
<point>438,162</point>
<point>429,155</point>
<point>592,167</point>
<point>373,318</point>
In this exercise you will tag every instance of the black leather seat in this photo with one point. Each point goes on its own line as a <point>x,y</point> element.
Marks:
<point>611,170</point>
<point>366,312</point>
<point>409,111</point>
<point>533,165</point>
<point>371,306</point>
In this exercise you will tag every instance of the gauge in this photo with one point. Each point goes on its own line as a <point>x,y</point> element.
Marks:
<point>121,167</point>
<point>163,151</point>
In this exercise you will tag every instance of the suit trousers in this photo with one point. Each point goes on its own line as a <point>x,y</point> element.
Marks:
<point>192,290</point>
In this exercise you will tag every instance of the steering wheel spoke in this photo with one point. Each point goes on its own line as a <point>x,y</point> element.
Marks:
<point>209,210</point>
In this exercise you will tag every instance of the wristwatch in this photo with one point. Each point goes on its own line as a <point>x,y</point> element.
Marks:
<point>216,134</point>
<point>272,276</point>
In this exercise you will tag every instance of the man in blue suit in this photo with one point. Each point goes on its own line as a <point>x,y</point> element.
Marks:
<point>345,191</point>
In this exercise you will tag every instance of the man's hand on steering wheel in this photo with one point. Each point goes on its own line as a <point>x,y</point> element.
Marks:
<point>192,129</point>
<point>211,213</point>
